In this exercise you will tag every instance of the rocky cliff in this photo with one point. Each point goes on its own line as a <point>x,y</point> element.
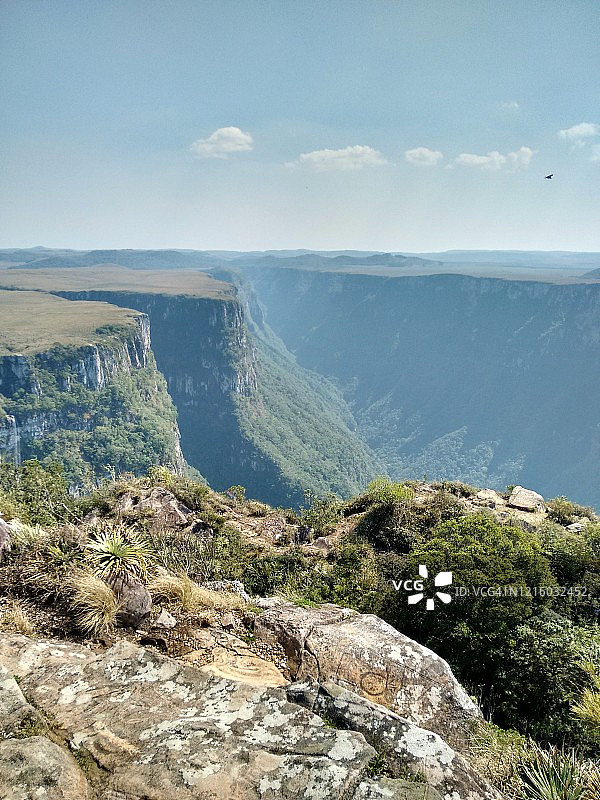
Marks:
<point>83,394</point>
<point>248,414</point>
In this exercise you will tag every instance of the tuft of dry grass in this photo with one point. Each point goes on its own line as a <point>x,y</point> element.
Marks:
<point>16,618</point>
<point>193,598</point>
<point>94,604</point>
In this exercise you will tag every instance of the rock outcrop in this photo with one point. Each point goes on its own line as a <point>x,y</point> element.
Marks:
<point>142,725</point>
<point>526,500</point>
<point>407,748</point>
<point>364,654</point>
<point>160,729</point>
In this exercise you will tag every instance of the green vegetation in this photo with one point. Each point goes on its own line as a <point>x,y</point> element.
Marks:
<point>34,493</point>
<point>301,424</point>
<point>532,658</point>
<point>128,425</point>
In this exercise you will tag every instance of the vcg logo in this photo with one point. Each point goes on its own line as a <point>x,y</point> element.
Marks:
<point>416,587</point>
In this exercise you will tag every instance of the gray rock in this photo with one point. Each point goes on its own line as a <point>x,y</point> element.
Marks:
<point>134,599</point>
<point>167,510</point>
<point>163,730</point>
<point>488,498</point>
<point>228,621</point>
<point>395,789</point>
<point>236,587</point>
<point>164,620</point>
<point>4,538</point>
<point>16,714</point>
<point>323,543</point>
<point>576,527</point>
<point>364,654</point>
<point>35,767</point>
<point>526,500</point>
<point>408,748</point>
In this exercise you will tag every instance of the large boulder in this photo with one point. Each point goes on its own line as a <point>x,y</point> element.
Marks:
<point>35,767</point>
<point>408,748</point>
<point>526,500</point>
<point>159,729</point>
<point>363,654</point>
<point>165,508</point>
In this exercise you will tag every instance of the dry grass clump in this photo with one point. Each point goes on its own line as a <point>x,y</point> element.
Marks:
<point>94,604</point>
<point>497,756</point>
<point>16,618</point>
<point>193,598</point>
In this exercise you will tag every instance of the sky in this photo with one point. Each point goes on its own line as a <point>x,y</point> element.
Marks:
<point>376,125</point>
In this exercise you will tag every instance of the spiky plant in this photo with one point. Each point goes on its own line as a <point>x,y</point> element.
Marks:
<point>94,604</point>
<point>592,782</point>
<point>554,775</point>
<point>116,551</point>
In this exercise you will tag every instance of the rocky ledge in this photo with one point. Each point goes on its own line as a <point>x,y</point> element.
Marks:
<point>128,723</point>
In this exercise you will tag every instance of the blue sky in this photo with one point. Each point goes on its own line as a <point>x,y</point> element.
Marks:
<point>405,126</point>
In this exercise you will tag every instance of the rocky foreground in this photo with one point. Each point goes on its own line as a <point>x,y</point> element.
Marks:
<point>129,722</point>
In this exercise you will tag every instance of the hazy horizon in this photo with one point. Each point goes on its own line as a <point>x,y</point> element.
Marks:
<point>388,126</point>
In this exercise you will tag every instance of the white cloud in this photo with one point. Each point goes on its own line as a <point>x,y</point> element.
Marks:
<point>423,156</point>
<point>511,106</point>
<point>348,158</point>
<point>577,133</point>
<point>222,142</point>
<point>518,159</point>
<point>595,153</point>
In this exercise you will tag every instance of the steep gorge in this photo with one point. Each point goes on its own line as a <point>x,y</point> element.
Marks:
<point>247,412</point>
<point>485,380</point>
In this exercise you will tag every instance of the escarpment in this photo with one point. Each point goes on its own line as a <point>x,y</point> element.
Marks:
<point>246,412</point>
<point>82,388</point>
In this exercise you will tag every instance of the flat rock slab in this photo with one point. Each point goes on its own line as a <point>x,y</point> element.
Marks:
<point>364,654</point>
<point>162,730</point>
<point>395,789</point>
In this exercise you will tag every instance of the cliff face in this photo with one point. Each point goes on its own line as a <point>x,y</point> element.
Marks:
<point>247,413</point>
<point>209,363</point>
<point>66,402</point>
<point>485,380</point>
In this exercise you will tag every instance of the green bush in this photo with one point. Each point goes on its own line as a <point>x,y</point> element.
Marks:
<point>541,671</point>
<point>36,493</point>
<point>480,553</point>
<point>565,512</point>
<point>321,513</point>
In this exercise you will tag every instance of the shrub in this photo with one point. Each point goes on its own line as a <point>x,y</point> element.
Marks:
<point>558,774</point>
<point>191,493</point>
<point>94,604</point>
<point>587,708</point>
<point>382,491</point>
<point>541,672</point>
<point>38,493</point>
<point>321,513</point>
<point>565,512</point>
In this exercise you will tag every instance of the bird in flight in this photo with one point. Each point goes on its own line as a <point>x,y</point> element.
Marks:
<point>549,177</point>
